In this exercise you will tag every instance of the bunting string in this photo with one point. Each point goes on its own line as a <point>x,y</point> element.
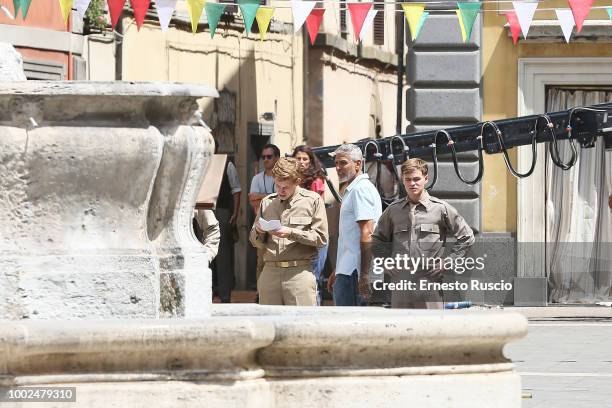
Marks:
<point>362,14</point>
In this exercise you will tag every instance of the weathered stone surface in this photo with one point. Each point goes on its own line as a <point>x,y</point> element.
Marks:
<point>81,170</point>
<point>430,105</point>
<point>274,356</point>
<point>11,64</point>
<point>443,68</point>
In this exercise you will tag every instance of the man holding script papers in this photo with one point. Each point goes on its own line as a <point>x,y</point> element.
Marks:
<point>271,225</point>
<point>290,226</point>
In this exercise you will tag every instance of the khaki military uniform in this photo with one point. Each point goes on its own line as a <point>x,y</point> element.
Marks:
<point>210,232</point>
<point>287,277</point>
<point>419,230</point>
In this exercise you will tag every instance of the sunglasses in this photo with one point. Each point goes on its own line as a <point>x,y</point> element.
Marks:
<point>267,156</point>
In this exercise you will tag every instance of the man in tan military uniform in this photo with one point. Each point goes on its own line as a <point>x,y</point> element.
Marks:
<point>287,277</point>
<point>418,226</point>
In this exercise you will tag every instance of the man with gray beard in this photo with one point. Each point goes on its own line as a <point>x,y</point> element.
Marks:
<point>359,212</point>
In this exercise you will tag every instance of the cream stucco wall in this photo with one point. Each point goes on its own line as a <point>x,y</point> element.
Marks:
<point>260,73</point>
<point>99,52</point>
<point>353,95</point>
<point>500,93</point>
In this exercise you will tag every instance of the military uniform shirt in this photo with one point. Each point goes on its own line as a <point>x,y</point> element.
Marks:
<point>422,233</point>
<point>304,214</point>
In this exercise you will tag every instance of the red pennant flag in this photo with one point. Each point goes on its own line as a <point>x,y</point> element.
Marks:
<point>140,8</point>
<point>580,10</point>
<point>359,12</point>
<point>515,27</point>
<point>115,7</point>
<point>313,22</point>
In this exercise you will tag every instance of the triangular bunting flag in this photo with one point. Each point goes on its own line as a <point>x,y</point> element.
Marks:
<point>359,12</point>
<point>469,12</point>
<point>194,8</point>
<point>165,8</point>
<point>66,7</point>
<point>313,22</point>
<point>515,27</point>
<point>140,8</point>
<point>301,11</point>
<point>461,26</point>
<point>524,14</point>
<point>214,11</point>
<point>248,8</point>
<point>421,23</point>
<point>609,10</point>
<point>25,6</point>
<point>367,23</point>
<point>580,10</point>
<point>263,17</point>
<point>16,7</point>
<point>115,7</point>
<point>566,21</point>
<point>81,6</point>
<point>413,13</point>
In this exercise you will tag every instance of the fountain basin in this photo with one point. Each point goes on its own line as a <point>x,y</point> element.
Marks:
<point>254,356</point>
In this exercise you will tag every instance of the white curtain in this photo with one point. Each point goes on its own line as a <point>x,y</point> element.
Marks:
<point>579,221</point>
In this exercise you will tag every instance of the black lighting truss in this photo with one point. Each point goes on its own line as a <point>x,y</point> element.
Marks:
<point>582,124</point>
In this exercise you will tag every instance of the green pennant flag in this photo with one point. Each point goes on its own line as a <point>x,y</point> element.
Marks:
<point>25,6</point>
<point>249,11</point>
<point>469,12</point>
<point>213,14</point>
<point>609,10</point>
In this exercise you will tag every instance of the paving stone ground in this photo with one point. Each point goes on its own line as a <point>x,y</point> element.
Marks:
<point>566,359</point>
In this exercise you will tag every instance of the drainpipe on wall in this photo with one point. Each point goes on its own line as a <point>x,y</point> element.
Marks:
<point>399,47</point>
<point>70,61</point>
<point>305,85</point>
<point>119,50</point>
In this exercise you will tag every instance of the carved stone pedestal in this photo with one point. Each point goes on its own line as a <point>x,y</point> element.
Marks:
<point>97,184</point>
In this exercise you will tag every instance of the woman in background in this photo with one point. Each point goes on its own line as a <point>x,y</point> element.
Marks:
<point>313,180</point>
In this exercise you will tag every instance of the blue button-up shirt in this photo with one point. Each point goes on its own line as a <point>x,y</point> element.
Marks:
<point>361,202</point>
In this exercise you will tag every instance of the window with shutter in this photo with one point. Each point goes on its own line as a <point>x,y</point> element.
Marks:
<point>343,12</point>
<point>379,22</point>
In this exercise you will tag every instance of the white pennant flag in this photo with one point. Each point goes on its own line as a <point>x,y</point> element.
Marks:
<point>367,22</point>
<point>566,21</point>
<point>301,11</point>
<point>81,6</point>
<point>165,8</point>
<point>524,14</point>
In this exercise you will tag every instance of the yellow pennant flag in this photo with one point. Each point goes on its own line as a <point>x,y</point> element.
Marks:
<point>463,32</point>
<point>66,6</point>
<point>195,7</point>
<point>413,13</point>
<point>263,17</point>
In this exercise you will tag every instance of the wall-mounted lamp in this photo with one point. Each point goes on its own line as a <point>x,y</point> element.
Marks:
<point>269,116</point>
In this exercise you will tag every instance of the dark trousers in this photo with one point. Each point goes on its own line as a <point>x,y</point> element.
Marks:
<point>346,290</point>
<point>223,265</point>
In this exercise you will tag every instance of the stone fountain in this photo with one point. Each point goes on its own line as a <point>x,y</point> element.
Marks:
<point>103,286</point>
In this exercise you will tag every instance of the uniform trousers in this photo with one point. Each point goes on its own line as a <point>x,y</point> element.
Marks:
<point>416,298</point>
<point>295,286</point>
